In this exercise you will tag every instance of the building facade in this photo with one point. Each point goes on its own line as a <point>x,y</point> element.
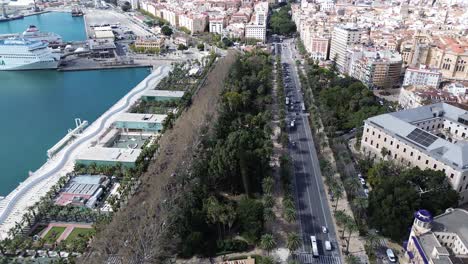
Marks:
<point>429,137</point>
<point>343,37</point>
<point>422,76</point>
<point>440,239</point>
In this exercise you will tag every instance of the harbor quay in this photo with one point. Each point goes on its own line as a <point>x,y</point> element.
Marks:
<point>15,204</point>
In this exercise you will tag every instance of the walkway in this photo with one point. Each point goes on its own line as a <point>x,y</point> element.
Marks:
<point>30,191</point>
<point>68,229</point>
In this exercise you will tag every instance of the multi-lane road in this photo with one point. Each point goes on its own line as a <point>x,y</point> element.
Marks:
<point>311,201</point>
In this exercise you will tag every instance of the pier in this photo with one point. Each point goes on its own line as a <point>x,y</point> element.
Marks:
<point>72,134</point>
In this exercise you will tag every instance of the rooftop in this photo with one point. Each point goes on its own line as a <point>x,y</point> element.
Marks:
<point>401,125</point>
<point>163,93</point>
<point>110,154</point>
<point>452,221</point>
<point>145,118</point>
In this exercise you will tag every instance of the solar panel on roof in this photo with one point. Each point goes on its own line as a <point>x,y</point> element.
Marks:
<point>421,137</point>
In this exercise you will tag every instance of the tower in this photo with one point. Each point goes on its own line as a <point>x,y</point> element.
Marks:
<point>422,222</point>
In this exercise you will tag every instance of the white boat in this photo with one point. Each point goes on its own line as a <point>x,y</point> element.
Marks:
<point>33,33</point>
<point>23,54</point>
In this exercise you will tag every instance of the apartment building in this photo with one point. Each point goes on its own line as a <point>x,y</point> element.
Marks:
<point>376,69</point>
<point>194,22</point>
<point>439,239</point>
<point>216,25</point>
<point>343,37</point>
<point>171,16</point>
<point>422,75</point>
<point>416,96</point>
<point>149,43</point>
<point>430,137</point>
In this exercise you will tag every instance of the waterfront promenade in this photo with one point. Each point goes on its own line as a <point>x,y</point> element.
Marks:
<point>39,183</point>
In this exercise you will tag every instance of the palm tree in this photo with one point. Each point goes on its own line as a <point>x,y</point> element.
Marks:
<point>352,227</point>
<point>267,185</point>
<point>341,218</point>
<point>267,242</point>
<point>268,201</point>
<point>372,240</point>
<point>337,190</point>
<point>352,185</point>
<point>361,203</point>
<point>290,214</point>
<point>293,241</point>
<point>351,259</point>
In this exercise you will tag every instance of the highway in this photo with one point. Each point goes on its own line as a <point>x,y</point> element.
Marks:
<point>313,212</point>
<point>70,151</point>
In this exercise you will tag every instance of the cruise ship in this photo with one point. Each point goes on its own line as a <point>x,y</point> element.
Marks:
<point>22,54</point>
<point>33,33</point>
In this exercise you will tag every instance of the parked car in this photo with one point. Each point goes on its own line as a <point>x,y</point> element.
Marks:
<point>390,255</point>
<point>328,245</point>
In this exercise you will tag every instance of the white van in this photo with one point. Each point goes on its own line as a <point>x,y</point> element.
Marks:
<point>390,255</point>
<point>328,245</point>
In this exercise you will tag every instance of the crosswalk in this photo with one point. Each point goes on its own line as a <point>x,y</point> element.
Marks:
<point>306,258</point>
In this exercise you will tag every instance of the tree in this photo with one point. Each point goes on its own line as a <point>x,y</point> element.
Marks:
<point>267,242</point>
<point>166,30</point>
<point>352,227</point>
<point>372,240</point>
<point>352,259</point>
<point>267,185</point>
<point>341,219</point>
<point>293,241</point>
<point>201,46</point>
<point>181,47</point>
<point>126,6</point>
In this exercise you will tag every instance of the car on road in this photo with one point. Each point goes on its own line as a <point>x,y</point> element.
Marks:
<point>390,255</point>
<point>293,144</point>
<point>291,124</point>
<point>324,229</point>
<point>328,245</point>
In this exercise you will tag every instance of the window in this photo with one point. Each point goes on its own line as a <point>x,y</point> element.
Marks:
<point>404,150</point>
<point>367,130</point>
<point>451,175</point>
<point>377,146</point>
<point>411,154</point>
<point>419,157</point>
<point>365,139</point>
<point>378,136</point>
<point>395,156</point>
<point>443,170</point>
<point>391,143</point>
<point>372,142</point>
<point>373,132</point>
<point>397,146</point>
<point>427,162</point>
<point>385,139</point>
<point>435,166</point>
<point>464,178</point>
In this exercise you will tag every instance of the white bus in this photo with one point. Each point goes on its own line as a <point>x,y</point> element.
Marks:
<point>313,240</point>
<point>303,107</point>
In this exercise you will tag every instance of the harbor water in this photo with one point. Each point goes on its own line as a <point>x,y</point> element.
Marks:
<point>38,107</point>
<point>70,28</point>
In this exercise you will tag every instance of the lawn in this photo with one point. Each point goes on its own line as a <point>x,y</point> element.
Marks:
<point>78,231</point>
<point>53,234</point>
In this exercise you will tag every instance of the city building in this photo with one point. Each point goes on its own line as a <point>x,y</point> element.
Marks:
<point>150,43</point>
<point>429,137</point>
<point>196,23</point>
<point>376,69</point>
<point>82,190</point>
<point>255,32</point>
<point>442,239</point>
<point>457,89</point>
<point>216,25</point>
<point>161,95</point>
<point>109,156</point>
<point>422,75</point>
<point>132,122</point>
<point>343,37</point>
<point>416,96</point>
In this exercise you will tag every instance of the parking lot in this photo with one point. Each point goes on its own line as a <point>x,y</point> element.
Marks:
<point>110,17</point>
